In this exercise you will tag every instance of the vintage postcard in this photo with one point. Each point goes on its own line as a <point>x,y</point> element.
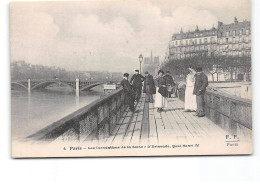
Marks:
<point>131,78</point>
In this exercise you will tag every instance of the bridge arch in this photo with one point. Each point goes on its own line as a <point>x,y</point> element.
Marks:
<point>18,84</point>
<point>85,88</point>
<point>48,83</point>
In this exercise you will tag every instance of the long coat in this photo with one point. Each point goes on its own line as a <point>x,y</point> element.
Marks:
<point>128,90</point>
<point>137,80</point>
<point>201,83</point>
<point>148,81</point>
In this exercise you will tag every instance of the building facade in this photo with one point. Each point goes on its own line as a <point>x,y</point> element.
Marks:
<point>234,39</point>
<point>227,39</point>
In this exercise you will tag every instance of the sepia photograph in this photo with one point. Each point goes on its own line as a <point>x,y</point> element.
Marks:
<point>130,78</point>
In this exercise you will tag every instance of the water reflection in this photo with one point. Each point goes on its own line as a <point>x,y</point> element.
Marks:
<point>32,111</point>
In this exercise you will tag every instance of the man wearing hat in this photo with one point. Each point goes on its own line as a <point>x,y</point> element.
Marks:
<point>129,97</point>
<point>201,83</point>
<point>170,84</point>
<point>136,81</point>
<point>149,87</point>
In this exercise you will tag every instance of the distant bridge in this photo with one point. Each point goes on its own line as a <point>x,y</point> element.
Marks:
<point>76,85</point>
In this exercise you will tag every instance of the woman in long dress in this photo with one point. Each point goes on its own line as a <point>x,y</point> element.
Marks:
<point>161,92</point>
<point>190,99</point>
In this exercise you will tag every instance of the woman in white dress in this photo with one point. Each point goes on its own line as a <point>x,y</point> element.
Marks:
<point>190,99</point>
<point>161,92</point>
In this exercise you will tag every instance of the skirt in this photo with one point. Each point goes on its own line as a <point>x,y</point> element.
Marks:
<point>190,99</point>
<point>160,101</point>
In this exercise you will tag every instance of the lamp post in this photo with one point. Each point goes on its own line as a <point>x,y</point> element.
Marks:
<point>140,60</point>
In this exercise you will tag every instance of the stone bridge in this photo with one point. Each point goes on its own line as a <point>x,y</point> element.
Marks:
<point>76,85</point>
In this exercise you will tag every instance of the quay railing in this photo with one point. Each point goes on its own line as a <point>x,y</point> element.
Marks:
<point>94,121</point>
<point>231,113</point>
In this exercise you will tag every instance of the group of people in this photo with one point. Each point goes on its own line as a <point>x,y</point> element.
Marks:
<point>196,84</point>
<point>163,86</point>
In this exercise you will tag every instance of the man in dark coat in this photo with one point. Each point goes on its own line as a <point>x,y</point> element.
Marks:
<point>129,93</point>
<point>169,83</point>
<point>136,81</point>
<point>149,87</point>
<point>201,83</point>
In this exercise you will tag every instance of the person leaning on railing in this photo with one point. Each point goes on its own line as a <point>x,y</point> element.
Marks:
<point>129,93</point>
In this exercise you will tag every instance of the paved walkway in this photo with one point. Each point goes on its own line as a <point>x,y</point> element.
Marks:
<point>147,126</point>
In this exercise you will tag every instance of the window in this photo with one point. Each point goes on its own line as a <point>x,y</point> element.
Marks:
<point>226,40</point>
<point>237,39</point>
<point>212,39</point>
<point>200,41</point>
<point>247,32</point>
<point>186,42</point>
<point>234,39</point>
<point>205,40</point>
<point>195,41</point>
<point>234,33</point>
<point>227,33</point>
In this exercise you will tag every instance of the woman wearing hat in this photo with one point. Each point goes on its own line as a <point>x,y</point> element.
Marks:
<point>190,98</point>
<point>161,92</point>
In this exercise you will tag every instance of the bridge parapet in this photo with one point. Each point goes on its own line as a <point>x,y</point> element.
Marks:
<point>232,113</point>
<point>94,121</point>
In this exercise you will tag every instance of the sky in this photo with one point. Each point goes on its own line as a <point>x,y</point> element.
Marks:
<point>109,35</point>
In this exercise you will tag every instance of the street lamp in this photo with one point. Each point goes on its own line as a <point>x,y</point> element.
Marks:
<point>140,60</point>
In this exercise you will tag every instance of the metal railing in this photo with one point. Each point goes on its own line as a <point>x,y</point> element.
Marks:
<point>94,121</point>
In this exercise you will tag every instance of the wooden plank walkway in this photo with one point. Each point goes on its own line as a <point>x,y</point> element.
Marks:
<point>147,126</point>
